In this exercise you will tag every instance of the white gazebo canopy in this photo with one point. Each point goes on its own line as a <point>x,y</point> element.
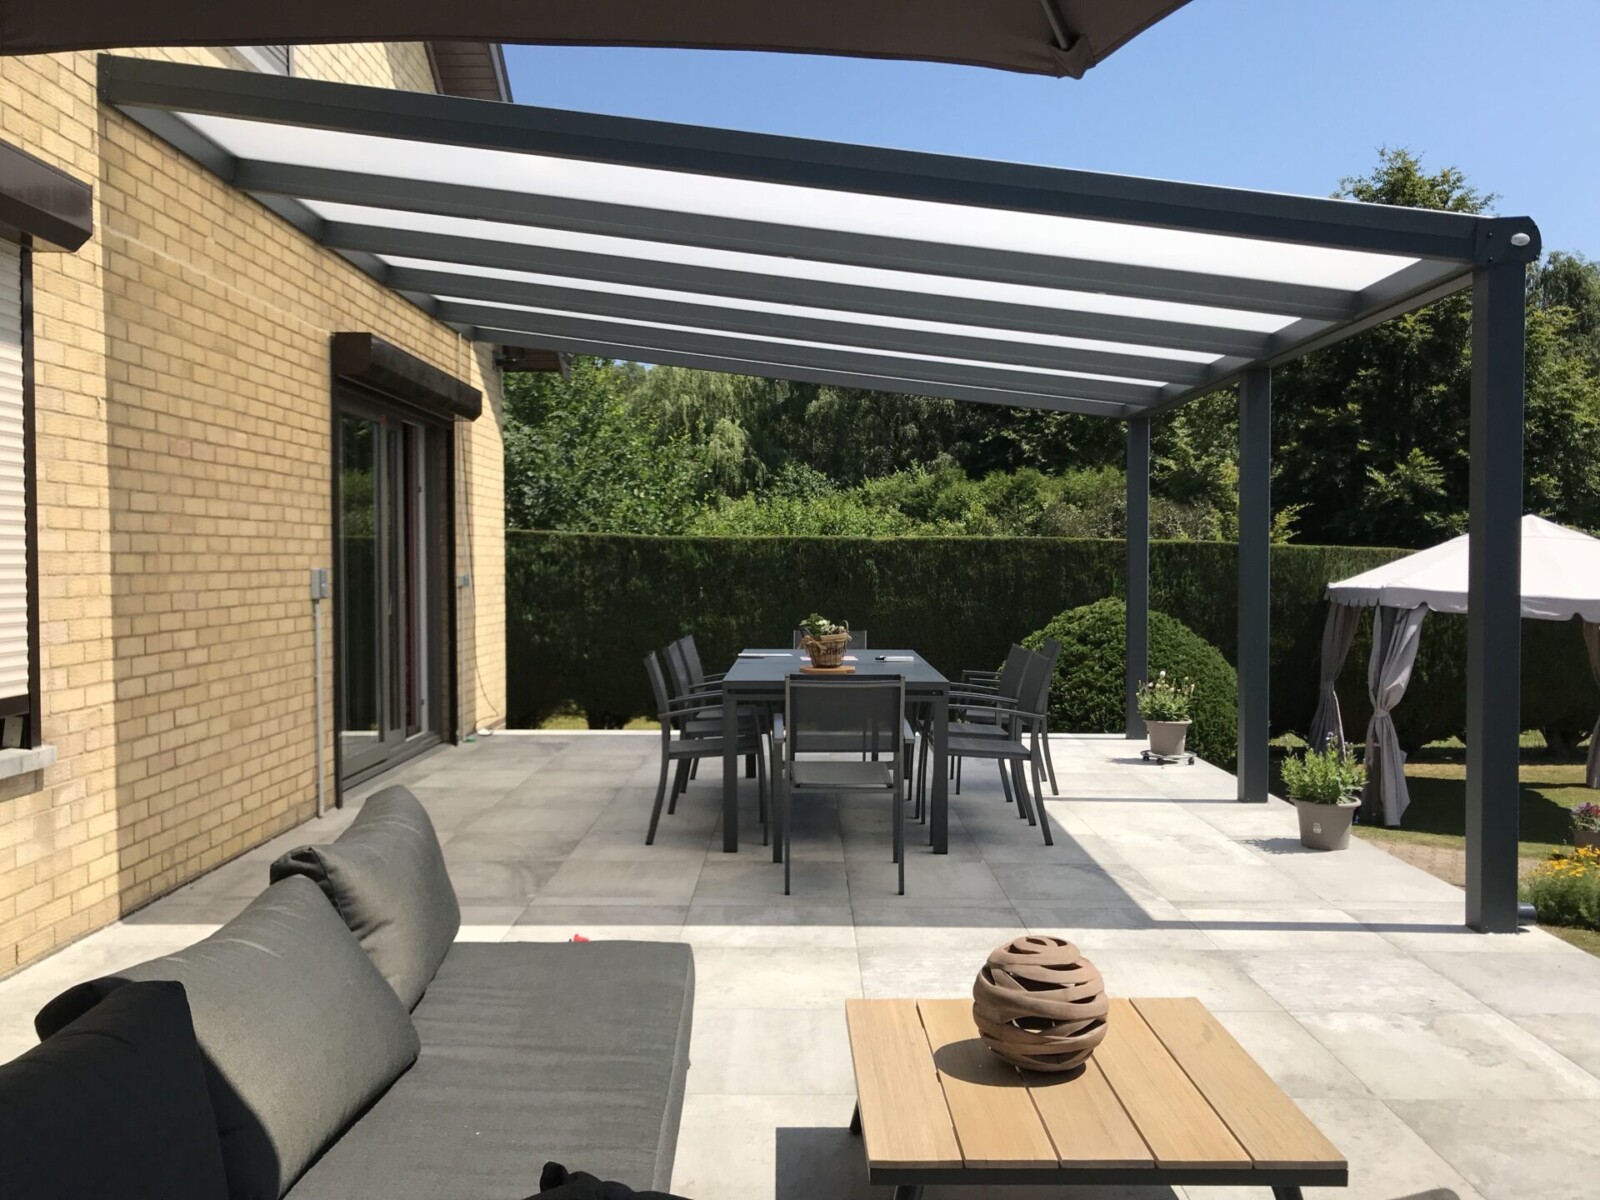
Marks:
<point>1560,576</point>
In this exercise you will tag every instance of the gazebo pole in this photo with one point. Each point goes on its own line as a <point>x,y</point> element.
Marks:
<point>1494,588</point>
<point>1138,581</point>
<point>1255,587</point>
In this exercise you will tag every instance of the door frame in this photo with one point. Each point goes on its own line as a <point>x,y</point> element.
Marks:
<point>439,522</point>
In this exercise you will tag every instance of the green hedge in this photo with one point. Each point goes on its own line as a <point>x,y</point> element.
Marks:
<point>1089,692</point>
<point>583,609</point>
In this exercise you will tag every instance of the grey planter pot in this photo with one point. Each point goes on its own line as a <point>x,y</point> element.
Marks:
<point>1586,837</point>
<point>1167,737</point>
<point>1325,826</point>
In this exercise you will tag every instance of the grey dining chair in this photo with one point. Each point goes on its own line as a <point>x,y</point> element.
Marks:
<point>1001,741</point>
<point>819,716</point>
<point>697,726</point>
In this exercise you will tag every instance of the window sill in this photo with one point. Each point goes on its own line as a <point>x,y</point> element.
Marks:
<point>23,762</point>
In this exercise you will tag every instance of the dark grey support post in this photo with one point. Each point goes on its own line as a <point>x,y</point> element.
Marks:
<point>1494,601</point>
<point>1138,583</point>
<point>1255,586</point>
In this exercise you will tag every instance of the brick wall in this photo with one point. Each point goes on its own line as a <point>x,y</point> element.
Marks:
<point>183,463</point>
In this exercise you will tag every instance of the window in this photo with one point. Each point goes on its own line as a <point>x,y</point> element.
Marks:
<point>18,645</point>
<point>274,60</point>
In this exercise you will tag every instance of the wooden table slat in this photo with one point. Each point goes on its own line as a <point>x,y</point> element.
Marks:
<point>1266,1122</point>
<point>1086,1121</point>
<point>995,1121</point>
<point>904,1119</point>
<point>1173,1118</point>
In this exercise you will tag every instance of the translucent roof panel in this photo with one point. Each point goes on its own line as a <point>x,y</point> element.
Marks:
<point>800,312</point>
<point>642,329</point>
<point>795,268</point>
<point>851,212</point>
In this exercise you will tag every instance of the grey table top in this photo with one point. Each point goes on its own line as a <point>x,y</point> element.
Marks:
<point>768,673</point>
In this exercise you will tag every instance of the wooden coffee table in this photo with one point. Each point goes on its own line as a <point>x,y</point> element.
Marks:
<point>1168,1098</point>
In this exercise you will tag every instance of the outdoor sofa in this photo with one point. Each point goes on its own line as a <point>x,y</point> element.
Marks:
<point>354,1049</point>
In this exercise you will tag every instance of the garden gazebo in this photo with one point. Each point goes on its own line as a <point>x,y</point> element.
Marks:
<point>1559,579</point>
<point>905,272</point>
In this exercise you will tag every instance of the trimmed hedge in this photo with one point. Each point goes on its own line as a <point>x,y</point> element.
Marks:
<point>583,609</point>
<point>1088,692</point>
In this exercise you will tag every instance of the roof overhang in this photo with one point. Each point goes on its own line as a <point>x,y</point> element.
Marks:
<point>1047,37</point>
<point>790,258</point>
<point>43,203</point>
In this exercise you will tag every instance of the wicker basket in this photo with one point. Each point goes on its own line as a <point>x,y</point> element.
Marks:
<point>827,650</point>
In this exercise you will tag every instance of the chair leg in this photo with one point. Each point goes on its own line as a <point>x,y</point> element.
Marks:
<point>680,784</point>
<point>1050,764</point>
<point>655,811</point>
<point>1038,802</point>
<point>958,776</point>
<point>922,781</point>
<point>1019,781</point>
<point>783,831</point>
<point>761,794</point>
<point>900,839</point>
<point>1005,784</point>
<point>694,768</point>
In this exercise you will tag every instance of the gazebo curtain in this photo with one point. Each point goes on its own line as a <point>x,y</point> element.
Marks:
<point>1591,639</point>
<point>1337,637</point>
<point>1396,634</point>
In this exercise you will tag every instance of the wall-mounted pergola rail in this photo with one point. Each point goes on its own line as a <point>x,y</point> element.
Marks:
<point>905,272</point>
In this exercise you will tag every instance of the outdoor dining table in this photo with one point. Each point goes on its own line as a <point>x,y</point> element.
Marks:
<point>757,677</point>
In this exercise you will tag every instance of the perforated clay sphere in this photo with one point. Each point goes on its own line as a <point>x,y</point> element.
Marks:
<point>1040,1004</point>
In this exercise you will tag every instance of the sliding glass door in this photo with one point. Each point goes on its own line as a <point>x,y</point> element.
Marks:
<point>387,584</point>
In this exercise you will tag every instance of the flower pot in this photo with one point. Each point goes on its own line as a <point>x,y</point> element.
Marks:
<point>1167,737</point>
<point>827,650</point>
<point>1325,826</point>
<point>1586,837</point>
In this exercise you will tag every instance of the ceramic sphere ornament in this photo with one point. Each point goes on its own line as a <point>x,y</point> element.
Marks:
<point>1038,1003</point>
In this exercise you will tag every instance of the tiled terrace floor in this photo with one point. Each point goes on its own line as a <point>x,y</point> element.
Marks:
<point>1444,1063</point>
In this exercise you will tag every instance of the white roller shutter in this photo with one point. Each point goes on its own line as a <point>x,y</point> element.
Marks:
<point>13,495</point>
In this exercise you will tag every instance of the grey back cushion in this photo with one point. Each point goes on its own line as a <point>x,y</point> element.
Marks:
<point>299,1031</point>
<point>387,878</point>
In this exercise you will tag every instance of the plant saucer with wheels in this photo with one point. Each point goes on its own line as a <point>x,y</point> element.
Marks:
<point>1165,707</point>
<point>1325,786</point>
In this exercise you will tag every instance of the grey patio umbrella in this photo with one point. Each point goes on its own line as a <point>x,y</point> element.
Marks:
<point>1042,37</point>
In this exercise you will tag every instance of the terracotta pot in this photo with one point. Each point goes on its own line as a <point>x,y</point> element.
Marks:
<point>1325,826</point>
<point>1167,737</point>
<point>827,650</point>
<point>1586,837</point>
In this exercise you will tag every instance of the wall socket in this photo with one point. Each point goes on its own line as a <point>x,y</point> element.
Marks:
<point>319,583</point>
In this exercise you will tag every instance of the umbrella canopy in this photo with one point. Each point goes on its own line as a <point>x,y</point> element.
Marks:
<point>1560,576</point>
<point>1043,37</point>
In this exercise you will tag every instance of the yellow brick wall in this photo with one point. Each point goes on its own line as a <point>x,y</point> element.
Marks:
<point>183,415</point>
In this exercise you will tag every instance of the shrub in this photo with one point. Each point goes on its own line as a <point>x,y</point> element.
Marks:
<point>1565,890</point>
<point>1326,776</point>
<point>1087,694</point>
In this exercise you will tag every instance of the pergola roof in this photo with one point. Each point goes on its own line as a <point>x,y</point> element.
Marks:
<point>788,258</point>
<point>1047,37</point>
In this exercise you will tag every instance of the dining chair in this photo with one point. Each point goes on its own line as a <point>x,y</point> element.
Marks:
<point>990,682</point>
<point>698,727</point>
<point>858,639</point>
<point>824,716</point>
<point>1002,741</point>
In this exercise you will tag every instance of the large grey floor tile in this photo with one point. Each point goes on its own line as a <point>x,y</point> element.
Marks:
<point>787,1147</point>
<point>1571,1035</point>
<point>740,1051</point>
<point>631,883</point>
<point>1533,1150</point>
<point>1208,975</point>
<point>1299,1064</point>
<point>1291,929</point>
<point>1448,1055</point>
<point>775,977</point>
<point>739,881</point>
<point>1152,925</point>
<point>1390,981</point>
<point>600,922</point>
<point>759,926</point>
<point>1565,980</point>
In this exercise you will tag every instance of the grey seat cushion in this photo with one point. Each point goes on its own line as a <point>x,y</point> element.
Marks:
<point>299,1031</point>
<point>530,1051</point>
<point>115,1104</point>
<point>386,877</point>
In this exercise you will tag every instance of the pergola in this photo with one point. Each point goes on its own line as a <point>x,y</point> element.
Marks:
<point>913,273</point>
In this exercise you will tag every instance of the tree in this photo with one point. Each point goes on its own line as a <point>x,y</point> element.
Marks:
<point>579,457</point>
<point>1371,434</point>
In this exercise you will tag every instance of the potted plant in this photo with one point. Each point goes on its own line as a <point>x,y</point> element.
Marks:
<point>824,640</point>
<point>1325,786</point>
<point>1586,825</point>
<point>1164,705</point>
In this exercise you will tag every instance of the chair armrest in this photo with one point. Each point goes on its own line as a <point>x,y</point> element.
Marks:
<point>983,698</point>
<point>971,675</point>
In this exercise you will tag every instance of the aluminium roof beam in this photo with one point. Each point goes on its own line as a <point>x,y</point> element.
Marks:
<point>761,323</point>
<point>1115,392</point>
<point>139,83</point>
<point>832,376</point>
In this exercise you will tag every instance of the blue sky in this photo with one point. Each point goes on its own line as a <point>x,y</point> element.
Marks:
<point>1285,95</point>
